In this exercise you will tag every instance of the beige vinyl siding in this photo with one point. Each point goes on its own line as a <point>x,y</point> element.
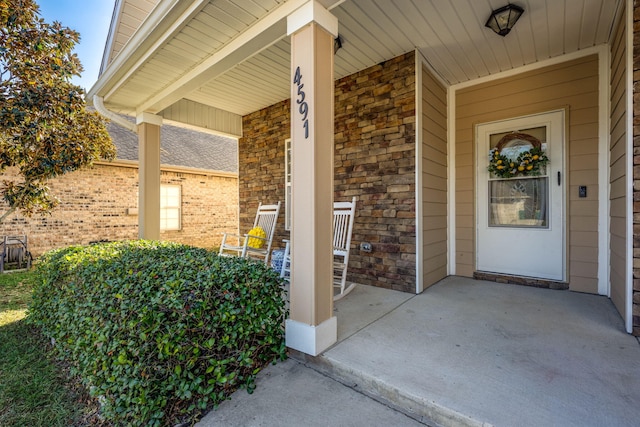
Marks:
<point>572,85</point>
<point>617,175</point>
<point>202,116</point>
<point>434,179</point>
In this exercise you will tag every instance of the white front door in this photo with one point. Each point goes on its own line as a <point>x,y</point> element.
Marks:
<point>520,203</point>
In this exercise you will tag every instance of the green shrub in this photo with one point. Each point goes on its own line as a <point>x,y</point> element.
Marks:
<point>159,332</point>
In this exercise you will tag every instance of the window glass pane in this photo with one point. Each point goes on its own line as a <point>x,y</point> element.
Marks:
<point>287,190</point>
<point>519,202</point>
<point>539,133</point>
<point>172,222</point>
<point>163,196</point>
<point>170,204</point>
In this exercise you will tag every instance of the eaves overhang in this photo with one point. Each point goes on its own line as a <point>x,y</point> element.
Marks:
<point>123,85</point>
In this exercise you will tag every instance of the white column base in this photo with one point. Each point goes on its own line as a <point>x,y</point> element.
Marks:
<point>311,339</point>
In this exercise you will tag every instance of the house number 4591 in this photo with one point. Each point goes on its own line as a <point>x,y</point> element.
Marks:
<point>303,107</point>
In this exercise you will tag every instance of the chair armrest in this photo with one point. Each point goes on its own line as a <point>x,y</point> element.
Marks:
<point>234,237</point>
<point>232,234</point>
<point>251,236</point>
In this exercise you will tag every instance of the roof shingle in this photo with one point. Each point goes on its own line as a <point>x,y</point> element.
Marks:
<point>181,147</point>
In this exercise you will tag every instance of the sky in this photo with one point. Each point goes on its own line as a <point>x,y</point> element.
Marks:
<point>91,18</point>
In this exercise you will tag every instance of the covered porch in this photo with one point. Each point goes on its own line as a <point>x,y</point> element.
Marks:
<point>463,353</point>
<point>383,101</point>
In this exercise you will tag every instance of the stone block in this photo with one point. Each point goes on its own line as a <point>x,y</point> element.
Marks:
<point>375,109</point>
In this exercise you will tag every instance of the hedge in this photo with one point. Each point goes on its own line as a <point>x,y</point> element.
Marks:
<point>159,332</point>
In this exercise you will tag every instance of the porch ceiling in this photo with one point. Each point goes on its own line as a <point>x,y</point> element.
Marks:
<point>234,55</point>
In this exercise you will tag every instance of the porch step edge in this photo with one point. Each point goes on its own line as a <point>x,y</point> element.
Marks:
<point>420,409</point>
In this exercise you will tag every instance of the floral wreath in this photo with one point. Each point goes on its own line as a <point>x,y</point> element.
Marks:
<point>528,163</point>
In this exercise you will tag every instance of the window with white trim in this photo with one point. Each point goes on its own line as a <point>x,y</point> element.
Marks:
<point>170,207</point>
<point>287,184</point>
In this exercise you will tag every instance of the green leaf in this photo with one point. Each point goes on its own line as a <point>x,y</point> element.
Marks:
<point>148,356</point>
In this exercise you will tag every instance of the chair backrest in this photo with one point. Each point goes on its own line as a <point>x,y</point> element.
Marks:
<point>343,215</point>
<point>267,218</point>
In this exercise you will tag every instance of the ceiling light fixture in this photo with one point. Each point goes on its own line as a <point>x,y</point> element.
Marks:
<point>502,20</point>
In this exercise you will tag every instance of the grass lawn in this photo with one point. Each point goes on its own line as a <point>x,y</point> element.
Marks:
<point>33,388</point>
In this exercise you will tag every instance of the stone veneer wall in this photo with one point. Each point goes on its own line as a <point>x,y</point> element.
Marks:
<point>374,161</point>
<point>636,168</point>
<point>261,153</point>
<point>94,204</point>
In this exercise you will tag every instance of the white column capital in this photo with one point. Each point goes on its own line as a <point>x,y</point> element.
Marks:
<point>150,118</point>
<point>312,11</point>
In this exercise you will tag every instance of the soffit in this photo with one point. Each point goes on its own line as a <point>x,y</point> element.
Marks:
<point>450,35</point>
<point>127,18</point>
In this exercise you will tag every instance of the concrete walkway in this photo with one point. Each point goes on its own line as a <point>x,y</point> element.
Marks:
<point>292,394</point>
<point>464,352</point>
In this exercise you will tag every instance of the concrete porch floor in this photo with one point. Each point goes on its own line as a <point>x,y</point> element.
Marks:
<point>464,352</point>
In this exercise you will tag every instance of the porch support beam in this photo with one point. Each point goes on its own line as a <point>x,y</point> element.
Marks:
<point>312,328</point>
<point>259,36</point>
<point>149,176</point>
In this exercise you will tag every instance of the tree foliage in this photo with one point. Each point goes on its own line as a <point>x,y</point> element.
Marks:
<point>45,130</point>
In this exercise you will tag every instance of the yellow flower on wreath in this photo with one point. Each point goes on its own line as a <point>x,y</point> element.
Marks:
<point>529,163</point>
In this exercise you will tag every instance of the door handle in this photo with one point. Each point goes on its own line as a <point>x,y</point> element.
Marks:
<point>558,177</point>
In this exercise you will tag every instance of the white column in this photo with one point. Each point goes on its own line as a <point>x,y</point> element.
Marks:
<point>312,328</point>
<point>149,176</point>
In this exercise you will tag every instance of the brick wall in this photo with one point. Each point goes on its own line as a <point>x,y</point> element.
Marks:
<point>94,204</point>
<point>374,160</point>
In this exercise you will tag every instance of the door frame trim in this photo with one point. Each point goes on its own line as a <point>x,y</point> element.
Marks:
<point>603,53</point>
<point>564,217</point>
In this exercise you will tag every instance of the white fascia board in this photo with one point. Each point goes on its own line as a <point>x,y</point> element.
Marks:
<point>630,178</point>
<point>201,129</point>
<point>260,36</point>
<point>134,164</point>
<point>419,95</point>
<point>133,52</point>
<point>175,24</point>
<point>451,181</point>
<point>604,132</point>
<point>115,21</point>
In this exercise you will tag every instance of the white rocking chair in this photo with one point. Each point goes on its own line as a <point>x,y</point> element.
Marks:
<point>257,242</point>
<point>343,216</point>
